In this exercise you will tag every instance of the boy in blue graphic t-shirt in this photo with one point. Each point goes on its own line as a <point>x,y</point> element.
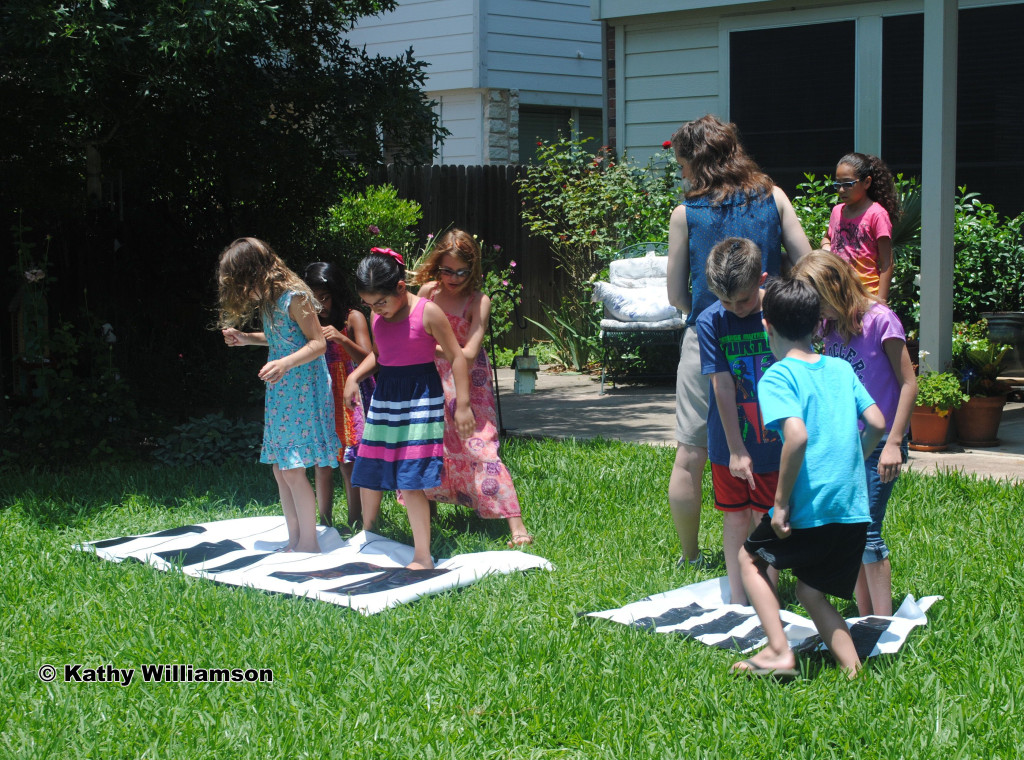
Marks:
<point>734,351</point>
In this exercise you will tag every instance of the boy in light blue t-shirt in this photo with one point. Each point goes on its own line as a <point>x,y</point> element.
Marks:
<point>818,524</point>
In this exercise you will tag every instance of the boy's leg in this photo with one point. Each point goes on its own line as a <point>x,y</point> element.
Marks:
<point>418,508</point>
<point>324,477</point>
<point>761,593</point>
<point>831,626</point>
<point>735,529</point>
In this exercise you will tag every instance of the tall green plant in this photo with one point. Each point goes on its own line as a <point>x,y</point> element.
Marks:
<point>375,217</point>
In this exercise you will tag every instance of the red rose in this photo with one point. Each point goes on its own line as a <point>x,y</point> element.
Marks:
<point>667,144</point>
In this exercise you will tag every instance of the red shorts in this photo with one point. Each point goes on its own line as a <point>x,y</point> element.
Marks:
<point>732,493</point>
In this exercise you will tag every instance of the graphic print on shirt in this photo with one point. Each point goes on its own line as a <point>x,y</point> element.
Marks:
<point>840,351</point>
<point>851,236</point>
<point>749,357</point>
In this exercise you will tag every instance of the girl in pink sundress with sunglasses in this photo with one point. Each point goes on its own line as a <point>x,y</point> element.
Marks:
<point>474,475</point>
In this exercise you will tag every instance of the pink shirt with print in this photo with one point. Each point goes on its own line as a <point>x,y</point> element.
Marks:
<point>855,240</point>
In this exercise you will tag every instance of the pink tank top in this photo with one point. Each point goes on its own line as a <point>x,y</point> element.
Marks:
<point>406,342</point>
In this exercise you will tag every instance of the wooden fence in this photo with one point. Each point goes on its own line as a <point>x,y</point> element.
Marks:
<point>485,201</point>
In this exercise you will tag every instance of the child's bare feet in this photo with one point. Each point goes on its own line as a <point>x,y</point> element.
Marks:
<point>418,565</point>
<point>766,662</point>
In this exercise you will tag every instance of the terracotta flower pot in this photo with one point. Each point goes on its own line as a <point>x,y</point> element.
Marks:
<point>928,430</point>
<point>977,421</point>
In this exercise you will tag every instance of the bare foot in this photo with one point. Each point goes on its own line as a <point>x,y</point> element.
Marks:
<point>766,662</point>
<point>415,565</point>
<point>312,548</point>
<point>520,540</point>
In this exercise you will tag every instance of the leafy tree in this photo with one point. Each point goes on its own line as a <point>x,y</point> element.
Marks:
<point>237,106</point>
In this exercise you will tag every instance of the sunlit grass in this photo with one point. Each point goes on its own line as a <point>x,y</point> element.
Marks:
<point>502,669</point>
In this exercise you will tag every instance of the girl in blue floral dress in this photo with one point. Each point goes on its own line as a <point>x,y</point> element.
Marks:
<point>298,427</point>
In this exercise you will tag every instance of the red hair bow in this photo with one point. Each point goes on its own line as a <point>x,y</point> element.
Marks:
<point>388,252</point>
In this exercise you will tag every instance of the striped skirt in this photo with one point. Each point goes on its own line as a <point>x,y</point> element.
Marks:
<point>403,438</point>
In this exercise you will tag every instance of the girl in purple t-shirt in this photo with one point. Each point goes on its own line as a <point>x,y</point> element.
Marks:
<point>866,333</point>
<point>860,228</point>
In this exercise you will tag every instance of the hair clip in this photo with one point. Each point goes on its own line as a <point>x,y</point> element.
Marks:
<point>388,252</point>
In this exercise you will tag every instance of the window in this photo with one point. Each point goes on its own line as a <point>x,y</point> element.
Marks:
<point>545,124</point>
<point>791,93</point>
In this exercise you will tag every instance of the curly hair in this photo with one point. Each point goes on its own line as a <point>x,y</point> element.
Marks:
<point>837,285</point>
<point>461,245</point>
<point>718,164</point>
<point>250,279</point>
<point>882,189</point>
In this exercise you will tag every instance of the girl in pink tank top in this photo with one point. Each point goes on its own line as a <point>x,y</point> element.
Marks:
<point>403,438</point>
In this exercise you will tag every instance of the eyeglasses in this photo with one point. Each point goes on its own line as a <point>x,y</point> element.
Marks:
<point>456,273</point>
<point>848,183</point>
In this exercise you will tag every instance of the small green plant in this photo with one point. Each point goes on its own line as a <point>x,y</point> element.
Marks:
<point>940,391</point>
<point>375,217</point>
<point>212,439</point>
<point>574,345</point>
<point>978,360</point>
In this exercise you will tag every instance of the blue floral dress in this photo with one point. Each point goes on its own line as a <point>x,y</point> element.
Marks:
<point>298,424</point>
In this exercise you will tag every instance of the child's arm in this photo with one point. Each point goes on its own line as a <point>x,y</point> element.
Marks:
<point>678,272</point>
<point>874,428</point>
<point>359,345</point>
<point>885,266</point>
<point>826,244</point>
<point>479,315</point>
<point>366,368</point>
<point>794,446</point>
<point>740,464</point>
<point>304,315</point>
<point>437,325</point>
<point>235,337</point>
<point>891,458</point>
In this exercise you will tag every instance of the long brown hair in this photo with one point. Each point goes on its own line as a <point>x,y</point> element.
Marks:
<point>718,164</point>
<point>461,245</point>
<point>250,279</point>
<point>839,287</point>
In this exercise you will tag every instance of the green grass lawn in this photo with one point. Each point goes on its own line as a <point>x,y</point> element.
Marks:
<point>501,669</point>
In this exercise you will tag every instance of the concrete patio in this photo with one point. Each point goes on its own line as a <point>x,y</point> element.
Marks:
<point>570,405</point>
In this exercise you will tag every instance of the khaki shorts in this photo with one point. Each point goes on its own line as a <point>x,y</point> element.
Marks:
<point>692,393</point>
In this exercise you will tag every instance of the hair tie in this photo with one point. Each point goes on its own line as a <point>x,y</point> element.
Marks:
<point>388,252</point>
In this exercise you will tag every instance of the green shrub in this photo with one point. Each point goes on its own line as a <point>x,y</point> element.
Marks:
<point>212,439</point>
<point>376,217</point>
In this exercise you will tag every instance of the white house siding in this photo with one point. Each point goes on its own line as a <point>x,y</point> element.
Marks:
<point>549,51</point>
<point>461,113</point>
<point>441,32</point>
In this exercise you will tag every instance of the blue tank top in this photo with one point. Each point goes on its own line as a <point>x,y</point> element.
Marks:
<point>708,223</point>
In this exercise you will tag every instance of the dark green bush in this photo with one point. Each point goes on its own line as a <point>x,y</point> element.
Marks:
<point>212,439</point>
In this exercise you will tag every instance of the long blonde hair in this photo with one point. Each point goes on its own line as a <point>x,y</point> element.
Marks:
<point>461,245</point>
<point>250,279</point>
<point>839,287</point>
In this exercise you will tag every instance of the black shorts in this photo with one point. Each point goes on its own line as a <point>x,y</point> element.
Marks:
<point>826,558</point>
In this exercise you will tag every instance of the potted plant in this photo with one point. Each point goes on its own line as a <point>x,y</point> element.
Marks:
<point>938,394</point>
<point>979,361</point>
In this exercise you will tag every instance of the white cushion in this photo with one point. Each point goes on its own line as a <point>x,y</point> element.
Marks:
<point>649,304</point>
<point>643,272</point>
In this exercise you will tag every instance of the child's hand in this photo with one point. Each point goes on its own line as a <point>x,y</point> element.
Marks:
<point>465,422</point>
<point>780,521</point>
<point>742,466</point>
<point>889,463</point>
<point>272,372</point>
<point>351,393</point>
<point>233,337</point>
<point>331,333</point>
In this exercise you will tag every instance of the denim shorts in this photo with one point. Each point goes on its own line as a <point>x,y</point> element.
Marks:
<point>878,498</point>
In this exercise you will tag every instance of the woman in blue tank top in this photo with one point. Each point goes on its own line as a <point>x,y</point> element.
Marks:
<point>729,196</point>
